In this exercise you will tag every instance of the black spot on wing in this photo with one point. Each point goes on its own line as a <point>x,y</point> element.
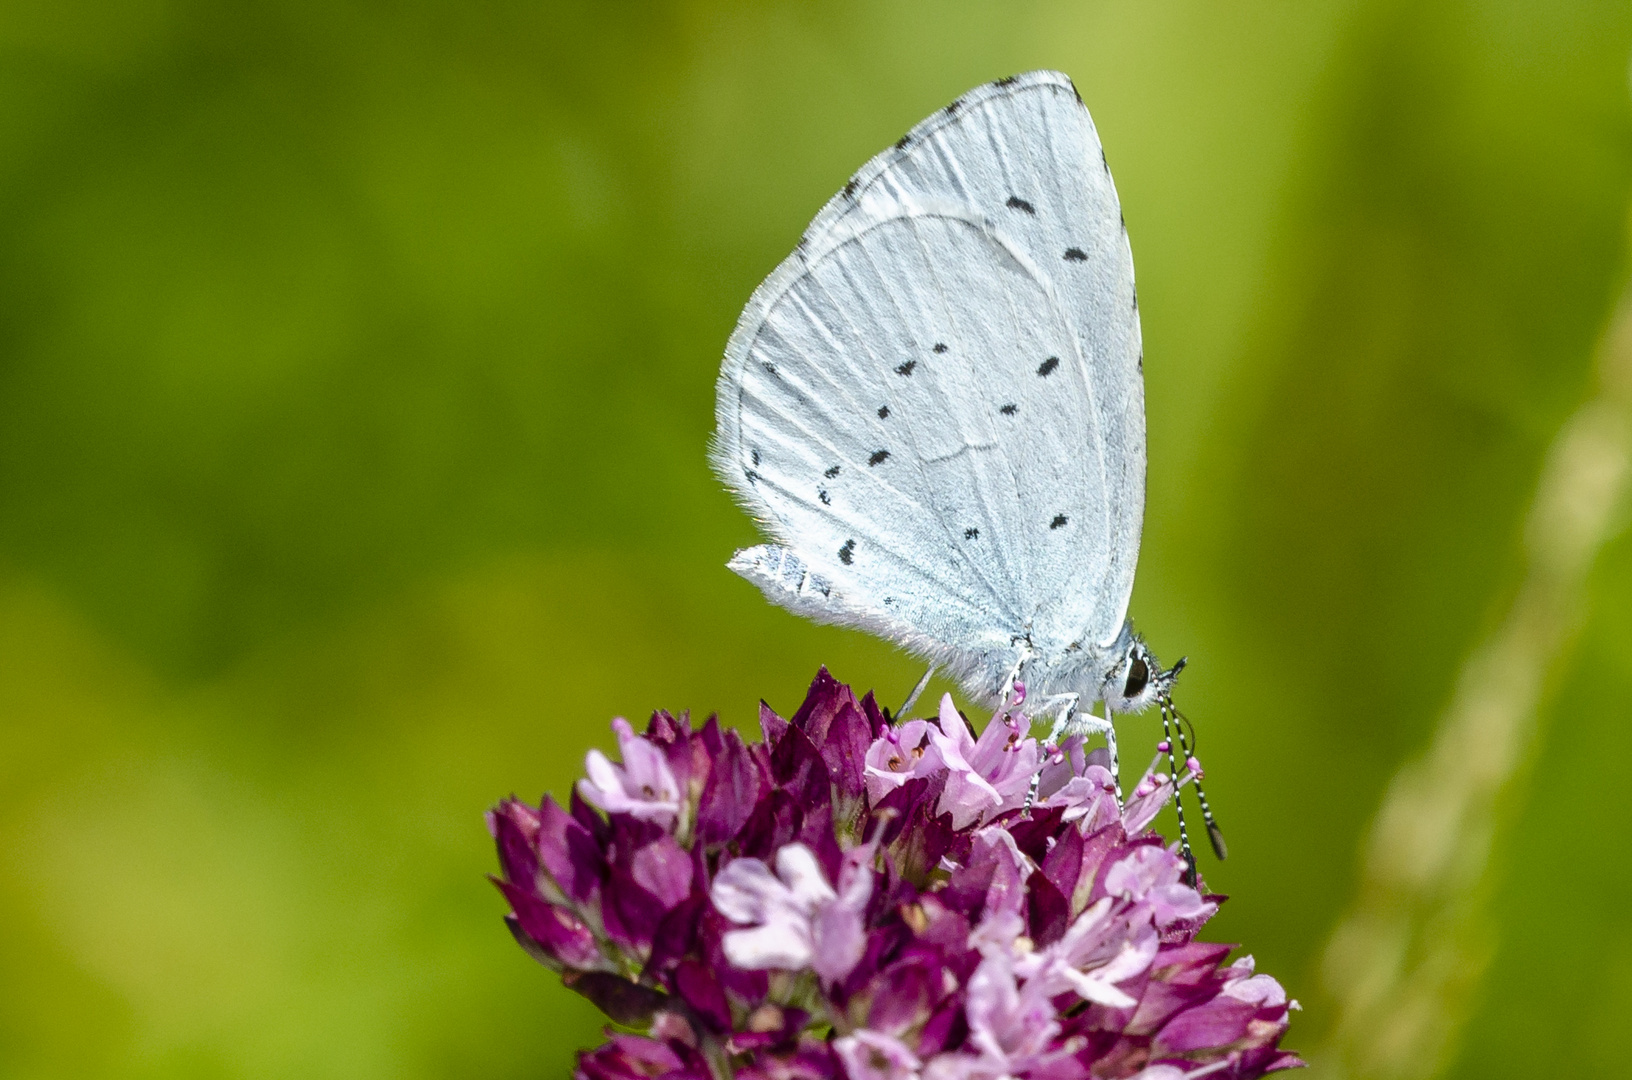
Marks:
<point>1075,255</point>
<point>821,493</point>
<point>904,141</point>
<point>770,368</point>
<point>832,471</point>
<point>850,188</point>
<point>952,109</point>
<point>940,347</point>
<point>1007,80</point>
<point>1046,368</point>
<point>884,411</point>
<point>906,368</point>
<point>878,457</point>
<point>751,476</point>
<point>970,534</point>
<point>1059,520</point>
<point>1010,409</point>
<point>1017,203</point>
<point>754,454</point>
<point>1136,298</point>
<point>847,553</point>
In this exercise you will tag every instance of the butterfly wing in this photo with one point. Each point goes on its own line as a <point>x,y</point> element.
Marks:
<point>936,404</point>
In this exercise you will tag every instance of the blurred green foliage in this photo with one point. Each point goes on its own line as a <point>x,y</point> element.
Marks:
<point>356,367</point>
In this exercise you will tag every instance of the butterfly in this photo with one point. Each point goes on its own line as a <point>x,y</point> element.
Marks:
<point>935,409</point>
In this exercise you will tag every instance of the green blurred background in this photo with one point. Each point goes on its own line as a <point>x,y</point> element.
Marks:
<point>356,369</point>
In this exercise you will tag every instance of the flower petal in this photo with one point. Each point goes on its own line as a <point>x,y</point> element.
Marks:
<point>796,865</point>
<point>783,944</point>
<point>745,891</point>
<point>872,1055</point>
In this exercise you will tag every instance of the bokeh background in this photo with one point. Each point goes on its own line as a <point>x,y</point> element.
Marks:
<point>356,370</point>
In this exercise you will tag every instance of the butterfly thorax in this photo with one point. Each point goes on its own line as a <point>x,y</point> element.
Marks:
<point>1123,674</point>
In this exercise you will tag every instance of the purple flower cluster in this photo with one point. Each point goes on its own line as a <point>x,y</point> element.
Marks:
<point>854,899</point>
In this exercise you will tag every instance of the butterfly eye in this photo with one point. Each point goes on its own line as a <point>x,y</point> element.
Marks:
<point>1138,677</point>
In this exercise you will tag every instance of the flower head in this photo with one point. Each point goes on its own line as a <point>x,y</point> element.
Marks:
<point>854,899</point>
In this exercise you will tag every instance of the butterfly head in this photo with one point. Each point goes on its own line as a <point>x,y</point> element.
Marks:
<point>1137,680</point>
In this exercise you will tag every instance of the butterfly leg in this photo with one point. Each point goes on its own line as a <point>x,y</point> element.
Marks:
<point>1012,693</point>
<point>1081,723</point>
<point>1067,705</point>
<point>917,691</point>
